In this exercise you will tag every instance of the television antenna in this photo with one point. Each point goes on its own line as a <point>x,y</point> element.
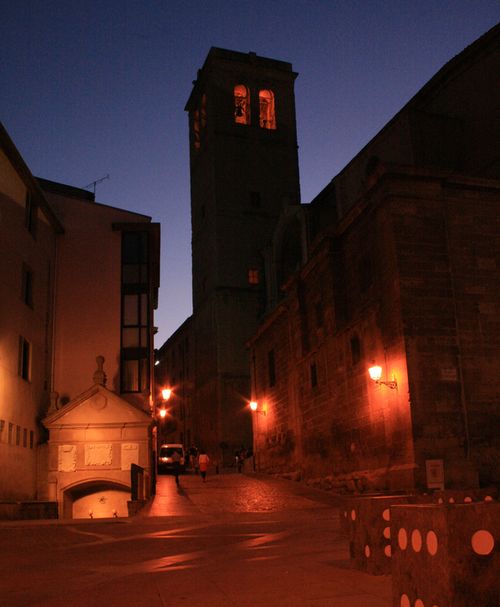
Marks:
<point>93,184</point>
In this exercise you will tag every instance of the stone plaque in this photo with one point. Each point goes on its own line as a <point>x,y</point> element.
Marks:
<point>66,458</point>
<point>130,455</point>
<point>434,469</point>
<point>100,454</point>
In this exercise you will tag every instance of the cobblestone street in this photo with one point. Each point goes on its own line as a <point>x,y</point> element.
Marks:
<point>234,541</point>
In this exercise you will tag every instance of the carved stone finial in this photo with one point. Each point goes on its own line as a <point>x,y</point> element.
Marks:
<point>54,402</point>
<point>99,375</point>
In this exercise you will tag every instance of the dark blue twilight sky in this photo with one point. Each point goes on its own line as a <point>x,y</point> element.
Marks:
<point>89,88</point>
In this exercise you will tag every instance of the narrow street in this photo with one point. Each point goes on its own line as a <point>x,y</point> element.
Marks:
<point>235,541</point>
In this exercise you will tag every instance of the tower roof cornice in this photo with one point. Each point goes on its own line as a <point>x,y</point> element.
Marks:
<point>235,60</point>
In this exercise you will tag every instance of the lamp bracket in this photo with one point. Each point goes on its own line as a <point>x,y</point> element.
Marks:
<point>393,385</point>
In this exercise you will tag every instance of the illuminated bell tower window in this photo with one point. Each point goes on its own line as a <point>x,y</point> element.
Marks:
<point>203,111</point>
<point>135,309</point>
<point>196,130</point>
<point>241,104</point>
<point>199,123</point>
<point>267,117</point>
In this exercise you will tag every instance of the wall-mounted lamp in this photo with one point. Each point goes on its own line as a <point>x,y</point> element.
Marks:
<point>166,393</point>
<point>376,373</point>
<point>163,412</point>
<point>254,406</point>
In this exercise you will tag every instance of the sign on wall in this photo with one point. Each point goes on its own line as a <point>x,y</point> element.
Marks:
<point>66,460</point>
<point>434,469</point>
<point>130,455</point>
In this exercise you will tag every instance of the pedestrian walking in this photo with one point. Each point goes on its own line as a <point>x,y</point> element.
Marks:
<point>203,461</point>
<point>240,458</point>
<point>176,465</point>
<point>193,459</point>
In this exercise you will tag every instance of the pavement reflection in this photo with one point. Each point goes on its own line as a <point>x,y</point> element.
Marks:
<point>235,541</point>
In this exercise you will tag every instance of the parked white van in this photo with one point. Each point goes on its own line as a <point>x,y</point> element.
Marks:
<point>165,461</point>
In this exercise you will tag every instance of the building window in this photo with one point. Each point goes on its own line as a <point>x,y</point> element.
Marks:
<point>365,272</point>
<point>320,314</point>
<point>25,437</point>
<point>253,276</point>
<point>24,358</point>
<point>267,117</point>
<point>27,286</point>
<point>271,368</point>
<point>203,111</point>
<point>241,104</point>
<point>314,375</point>
<point>135,258</point>
<point>11,433</point>
<point>355,350</point>
<point>135,360</point>
<point>135,372</point>
<point>30,214</point>
<point>196,130</point>
<point>255,199</point>
<point>199,122</point>
<point>18,435</point>
<point>32,439</point>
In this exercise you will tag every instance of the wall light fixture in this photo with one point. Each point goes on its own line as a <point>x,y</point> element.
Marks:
<point>375,373</point>
<point>254,406</point>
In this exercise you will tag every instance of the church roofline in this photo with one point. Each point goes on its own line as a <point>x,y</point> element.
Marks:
<point>485,43</point>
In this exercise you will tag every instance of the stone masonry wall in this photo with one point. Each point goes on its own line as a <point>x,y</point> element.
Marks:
<point>341,315</point>
<point>449,268</point>
<point>410,282</point>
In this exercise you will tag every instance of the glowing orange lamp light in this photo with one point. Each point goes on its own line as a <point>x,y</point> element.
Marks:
<point>375,373</point>
<point>254,406</point>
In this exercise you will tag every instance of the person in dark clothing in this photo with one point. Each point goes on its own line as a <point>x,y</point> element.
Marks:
<point>176,465</point>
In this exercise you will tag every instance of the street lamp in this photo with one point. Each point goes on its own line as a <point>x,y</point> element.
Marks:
<point>166,393</point>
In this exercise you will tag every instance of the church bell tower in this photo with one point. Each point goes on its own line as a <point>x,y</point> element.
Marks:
<point>244,172</point>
